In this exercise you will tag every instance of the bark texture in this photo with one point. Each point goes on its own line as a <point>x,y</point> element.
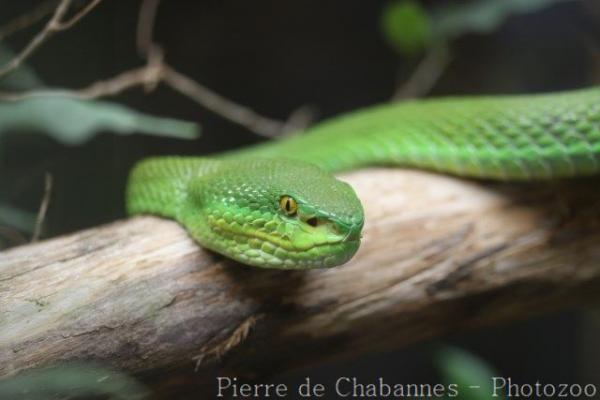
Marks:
<point>439,254</point>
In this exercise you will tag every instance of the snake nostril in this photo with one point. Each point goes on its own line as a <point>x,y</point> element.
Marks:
<point>312,221</point>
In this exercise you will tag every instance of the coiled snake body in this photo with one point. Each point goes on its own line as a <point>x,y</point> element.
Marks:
<point>277,205</point>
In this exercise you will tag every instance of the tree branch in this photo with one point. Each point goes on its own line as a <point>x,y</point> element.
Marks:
<point>64,25</point>
<point>141,296</point>
<point>41,215</point>
<point>55,24</point>
<point>426,74</point>
<point>149,76</point>
<point>145,27</point>
<point>220,105</point>
<point>28,19</point>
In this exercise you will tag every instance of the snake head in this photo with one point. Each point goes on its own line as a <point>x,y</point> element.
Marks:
<point>275,214</point>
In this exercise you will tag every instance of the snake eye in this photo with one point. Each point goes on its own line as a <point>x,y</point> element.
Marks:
<point>288,205</point>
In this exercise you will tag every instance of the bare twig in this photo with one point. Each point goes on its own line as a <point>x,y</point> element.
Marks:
<point>26,20</point>
<point>109,87</point>
<point>425,75</point>
<point>39,221</point>
<point>48,30</point>
<point>55,24</point>
<point>148,77</point>
<point>63,25</point>
<point>145,27</point>
<point>154,72</point>
<point>299,119</point>
<point>222,106</point>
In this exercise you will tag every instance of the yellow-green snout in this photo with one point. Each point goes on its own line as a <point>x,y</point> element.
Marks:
<point>282,241</point>
<point>317,226</point>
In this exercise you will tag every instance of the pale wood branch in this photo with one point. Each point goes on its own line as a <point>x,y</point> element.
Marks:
<point>440,254</point>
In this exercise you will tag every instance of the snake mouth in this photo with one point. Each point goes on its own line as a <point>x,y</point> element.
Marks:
<point>321,255</point>
<point>285,243</point>
<point>261,249</point>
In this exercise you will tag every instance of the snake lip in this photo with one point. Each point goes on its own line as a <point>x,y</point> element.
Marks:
<point>354,233</point>
<point>350,238</point>
<point>341,242</point>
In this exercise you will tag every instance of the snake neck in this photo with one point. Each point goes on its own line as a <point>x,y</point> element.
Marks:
<point>160,185</point>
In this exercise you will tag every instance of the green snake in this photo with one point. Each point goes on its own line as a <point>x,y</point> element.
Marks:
<point>278,204</point>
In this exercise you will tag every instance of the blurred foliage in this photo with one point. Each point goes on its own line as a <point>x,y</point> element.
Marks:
<point>410,29</point>
<point>481,16</point>
<point>17,218</point>
<point>22,78</point>
<point>69,120</point>
<point>406,26</point>
<point>72,380</point>
<point>465,369</point>
<point>74,121</point>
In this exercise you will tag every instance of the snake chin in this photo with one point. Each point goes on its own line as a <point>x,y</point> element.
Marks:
<point>324,255</point>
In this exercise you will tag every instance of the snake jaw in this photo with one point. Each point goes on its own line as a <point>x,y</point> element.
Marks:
<point>285,244</point>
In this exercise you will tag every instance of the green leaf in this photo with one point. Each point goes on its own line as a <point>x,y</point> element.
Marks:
<point>75,380</point>
<point>472,375</point>
<point>17,218</point>
<point>481,16</point>
<point>23,78</point>
<point>73,121</point>
<point>406,26</point>
<point>410,29</point>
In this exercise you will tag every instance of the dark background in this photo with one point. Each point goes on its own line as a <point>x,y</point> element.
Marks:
<point>276,56</point>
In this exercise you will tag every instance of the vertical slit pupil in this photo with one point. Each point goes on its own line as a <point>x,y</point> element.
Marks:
<point>288,205</point>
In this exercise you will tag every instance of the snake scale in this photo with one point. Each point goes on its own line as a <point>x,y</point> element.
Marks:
<point>278,205</point>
